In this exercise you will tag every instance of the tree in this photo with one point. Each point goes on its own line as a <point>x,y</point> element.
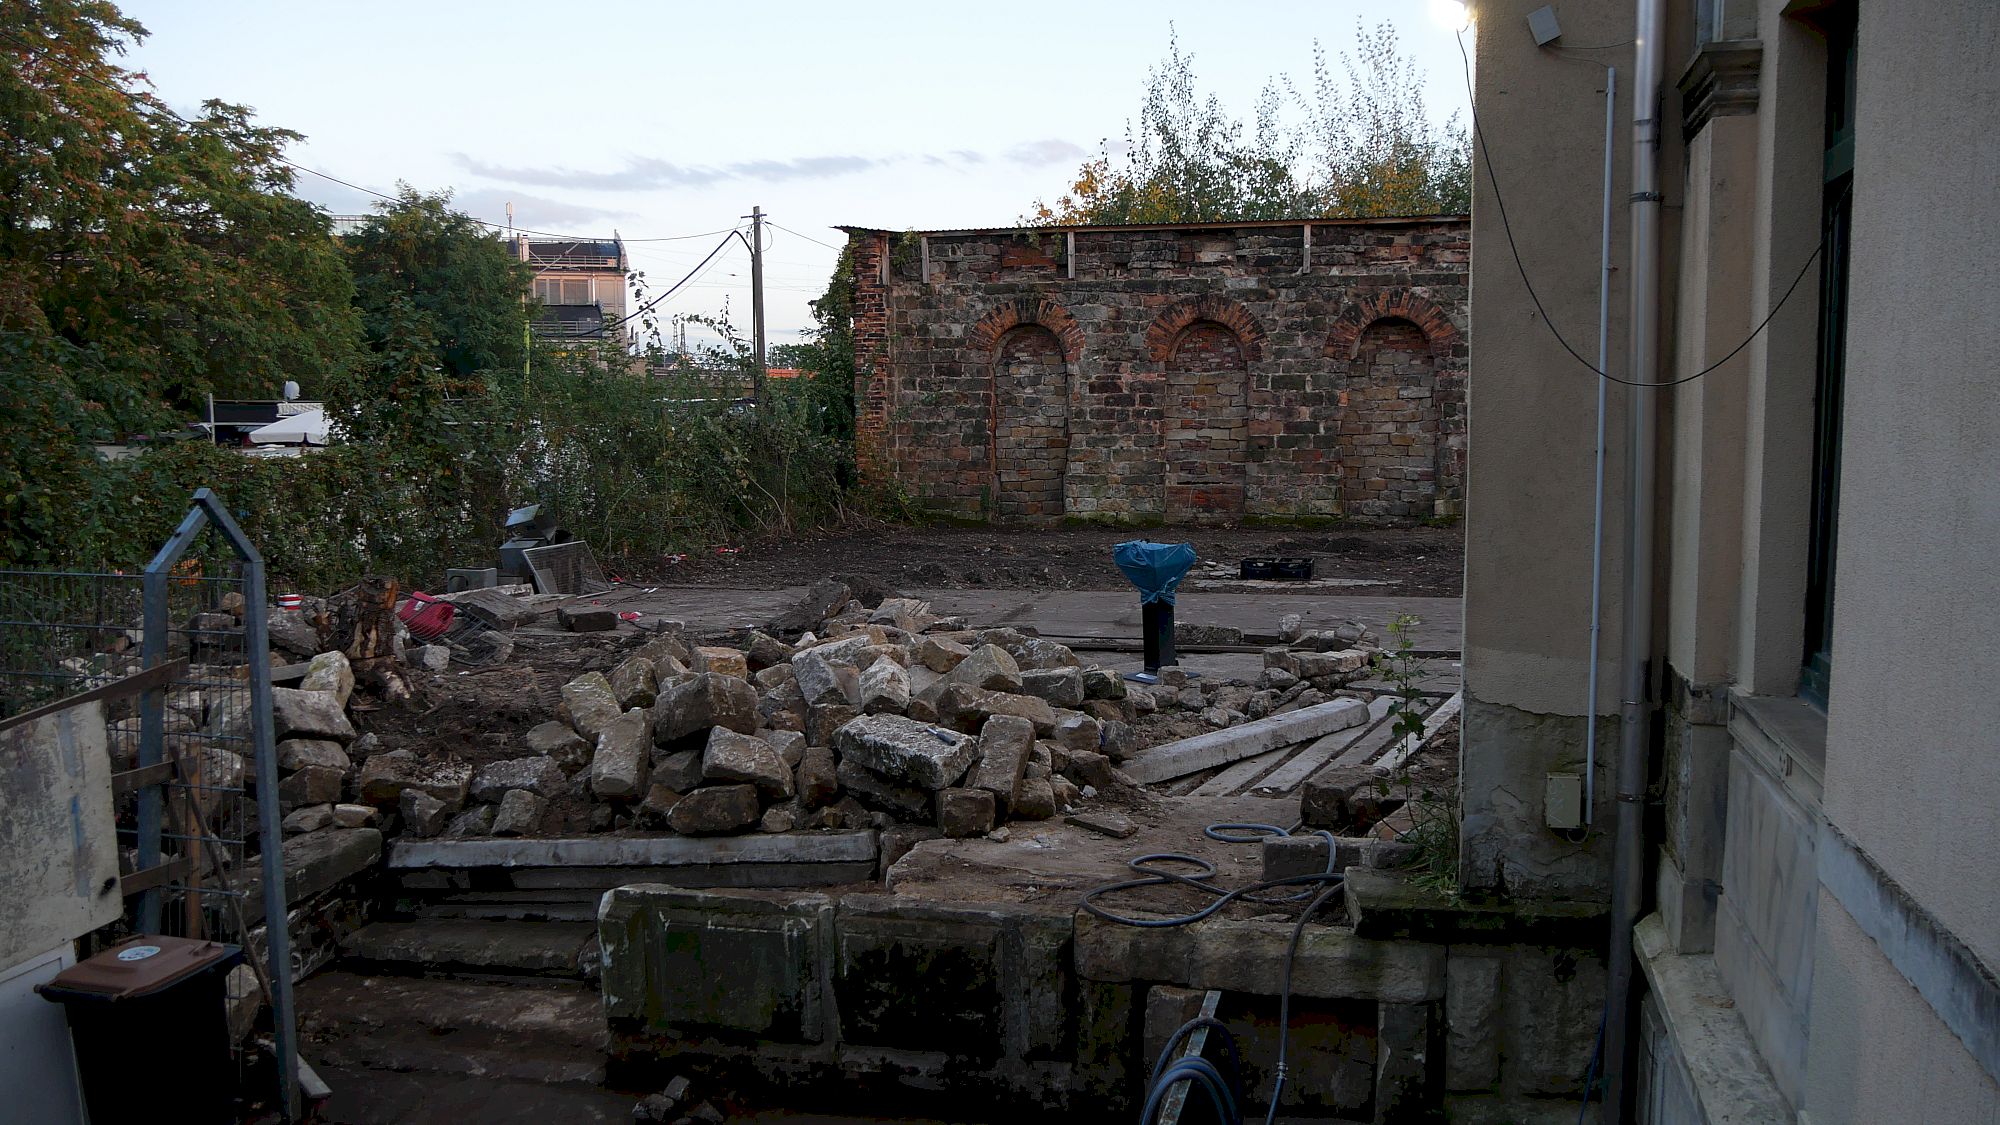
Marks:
<point>418,257</point>
<point>171,249</point>
<point>1362,145</point>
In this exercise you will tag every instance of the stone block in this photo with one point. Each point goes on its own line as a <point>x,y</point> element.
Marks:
<point>308,785</point>
<point>790,745</point>
<point>821,680</point>
<point>878,792</point>
<point>964,812</point>
<point>679,770</point>
<point>586,618</point>
<point>540,776</point>
<point>826,719</point>
<point>722,661</point>
<point>916,978</point>
<point>619,770</point>
<point>1078,732</point>
<point>1005,744</point>
<point>1408,1077</point>
<point>906,751</point>
<point>732,757</point>
<point>591,703</point>
<point>941,654</point>
<point>715,810</point>
<point>329,672</point>
<point>1035,799</point>
<point>355,816</point>
<point>309,714</point>
<point>1472,1019</point>
<point>697,703</point>
<point>311,818</point>
<point>519,814</point>
<point>989,668</point>
<point>1062,687</point>
<point>713,961</point>
<point>297,753</point>
<point>385,776</point>
<point>885,687</point>
<point>423,814</point>
<point>635,683</point>
<point>765,651</point>
<point>1103,683</point>
<point>817,780</point>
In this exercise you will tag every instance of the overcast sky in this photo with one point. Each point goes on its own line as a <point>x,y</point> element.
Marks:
<point>670,119</point>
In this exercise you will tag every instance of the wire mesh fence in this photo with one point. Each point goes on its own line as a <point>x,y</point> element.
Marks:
<point>191,820</point>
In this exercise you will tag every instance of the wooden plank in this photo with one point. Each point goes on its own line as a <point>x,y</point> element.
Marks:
<point>1233,744</point>
<point>1232,780</point>
<point>1307,762</point>
<point>1433,722</point>
<point>1191,1048</point>
<point>159,675</point>
<point>127,782</point>
<point>155,876</point>
<point>1372,743</point>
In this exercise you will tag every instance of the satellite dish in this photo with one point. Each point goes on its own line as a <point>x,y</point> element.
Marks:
<point>291,391</point>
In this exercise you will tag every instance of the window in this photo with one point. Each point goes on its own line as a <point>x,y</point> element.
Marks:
<point>1837,214</point>
<point>563,290</point>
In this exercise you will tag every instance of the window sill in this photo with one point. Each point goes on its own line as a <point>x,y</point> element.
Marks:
<point>1786,735</point>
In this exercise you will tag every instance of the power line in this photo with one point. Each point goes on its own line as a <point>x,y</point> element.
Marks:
<point>146,107</point>
<point>649,305</point>
<point>1492,178</point>
<point>807,237</point>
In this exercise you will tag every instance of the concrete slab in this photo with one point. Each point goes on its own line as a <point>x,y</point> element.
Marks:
<point>637,851</point>
<point>1232,744</point>
<point>554,949</point>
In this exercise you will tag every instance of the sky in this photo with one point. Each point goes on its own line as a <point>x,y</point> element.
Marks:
<point>668,120</point>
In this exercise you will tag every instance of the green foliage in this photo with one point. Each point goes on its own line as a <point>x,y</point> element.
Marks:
<point>1361,144</point>
<point>146,261</point>
<point>424,270</point>
<point>1433,815</point>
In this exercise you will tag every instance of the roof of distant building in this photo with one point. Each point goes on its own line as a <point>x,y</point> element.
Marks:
<point>1053,228</point>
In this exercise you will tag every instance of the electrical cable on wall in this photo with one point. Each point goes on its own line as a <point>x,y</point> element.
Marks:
<point>1506,227</point>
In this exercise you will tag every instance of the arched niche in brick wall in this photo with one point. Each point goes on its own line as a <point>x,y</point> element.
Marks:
<point>1365,310</point>
<point>1206,421</point>
<point>1387,437</point>
<point>1030,424</point>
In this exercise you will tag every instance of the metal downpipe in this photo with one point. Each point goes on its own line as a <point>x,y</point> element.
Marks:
<point>1635,723</point>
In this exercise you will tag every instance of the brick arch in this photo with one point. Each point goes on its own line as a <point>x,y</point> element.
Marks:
<point>1166,328</point>
<point>1344,341</point>
<point>985,335</point>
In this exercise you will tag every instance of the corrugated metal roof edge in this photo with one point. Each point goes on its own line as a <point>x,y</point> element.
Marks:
<point>1386,221</point>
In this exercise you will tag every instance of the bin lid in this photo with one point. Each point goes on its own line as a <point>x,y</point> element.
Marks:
<point>1155,568</point>
<point>139,967</point>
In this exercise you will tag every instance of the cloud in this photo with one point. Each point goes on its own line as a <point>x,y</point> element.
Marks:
<point>1050,150</point>
<point>647,173</point>
<point>533,210</point>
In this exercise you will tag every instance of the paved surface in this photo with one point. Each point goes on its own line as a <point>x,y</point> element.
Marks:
<point>1069,613</point>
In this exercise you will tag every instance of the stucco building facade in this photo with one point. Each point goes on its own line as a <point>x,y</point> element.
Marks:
<point>1821,938</point>
<point>1178,374</point>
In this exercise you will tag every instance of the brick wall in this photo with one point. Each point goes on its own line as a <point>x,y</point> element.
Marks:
<point>1180,374</point>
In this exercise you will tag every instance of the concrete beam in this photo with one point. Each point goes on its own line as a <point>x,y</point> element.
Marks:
<point>1219,748</point>
<point>650,851</point>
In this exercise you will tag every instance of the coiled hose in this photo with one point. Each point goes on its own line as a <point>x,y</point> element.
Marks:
<point>1156,869</point>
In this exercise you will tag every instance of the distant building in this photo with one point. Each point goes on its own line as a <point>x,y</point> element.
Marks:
<point>580,285</point>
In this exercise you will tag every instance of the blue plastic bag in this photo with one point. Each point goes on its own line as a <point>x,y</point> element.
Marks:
<point>1155,568</point>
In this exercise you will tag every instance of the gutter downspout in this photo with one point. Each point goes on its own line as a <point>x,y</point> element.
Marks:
<point>1635,723</point>
<point>1597,504</point>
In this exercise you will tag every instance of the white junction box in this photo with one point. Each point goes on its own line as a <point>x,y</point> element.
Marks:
<point>1562,801</point>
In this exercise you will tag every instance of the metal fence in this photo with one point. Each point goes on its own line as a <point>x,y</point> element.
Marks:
<point>187,755</point>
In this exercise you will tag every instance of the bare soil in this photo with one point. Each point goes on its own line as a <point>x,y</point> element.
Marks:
<point>1412,561</point>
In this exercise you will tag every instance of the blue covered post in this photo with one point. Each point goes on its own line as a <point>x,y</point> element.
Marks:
<point>1156,569</point>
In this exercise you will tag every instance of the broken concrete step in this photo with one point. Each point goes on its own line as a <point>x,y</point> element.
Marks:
<point>1236,778</point>
<point>463,945</point>
<point>598,863</point>
<point>1221,747</point>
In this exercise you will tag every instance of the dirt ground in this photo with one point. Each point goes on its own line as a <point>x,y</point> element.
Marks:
<point>1419,561</point>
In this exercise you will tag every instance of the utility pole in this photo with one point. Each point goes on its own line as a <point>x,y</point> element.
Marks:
<point>756,217</point>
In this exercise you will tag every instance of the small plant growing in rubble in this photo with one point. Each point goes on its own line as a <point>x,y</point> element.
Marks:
<point>1433,818</point>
